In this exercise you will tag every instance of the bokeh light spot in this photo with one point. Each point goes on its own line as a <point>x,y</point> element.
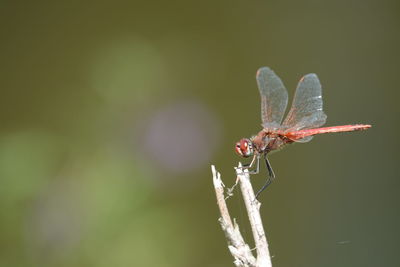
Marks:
<point>181,137</point>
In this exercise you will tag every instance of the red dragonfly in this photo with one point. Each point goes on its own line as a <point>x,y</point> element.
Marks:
<point>300,124</point>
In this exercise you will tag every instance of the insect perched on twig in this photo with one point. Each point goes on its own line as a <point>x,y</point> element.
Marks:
<point>300,124</point>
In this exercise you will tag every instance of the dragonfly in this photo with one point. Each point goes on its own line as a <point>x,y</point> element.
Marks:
<point>302,121</point>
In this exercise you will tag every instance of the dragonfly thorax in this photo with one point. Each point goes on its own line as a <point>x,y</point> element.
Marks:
<point>264,141</point>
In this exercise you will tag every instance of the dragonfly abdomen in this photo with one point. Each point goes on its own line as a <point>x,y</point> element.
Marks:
<point>333,129</point>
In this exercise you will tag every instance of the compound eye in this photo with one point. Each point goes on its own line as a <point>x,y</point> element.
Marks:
<point>238,149</point>
<point>246,147</point>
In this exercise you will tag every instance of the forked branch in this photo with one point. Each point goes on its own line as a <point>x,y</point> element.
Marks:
<point>236,244</point>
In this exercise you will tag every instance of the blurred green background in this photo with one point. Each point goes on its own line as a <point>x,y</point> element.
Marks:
<point>112,112</point>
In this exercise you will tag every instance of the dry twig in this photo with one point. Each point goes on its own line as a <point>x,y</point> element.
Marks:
<point>236,244</point>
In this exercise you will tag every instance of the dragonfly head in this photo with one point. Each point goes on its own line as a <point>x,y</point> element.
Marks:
<point>244,148</point>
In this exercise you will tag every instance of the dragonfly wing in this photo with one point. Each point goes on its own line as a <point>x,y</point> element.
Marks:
<point>274,98</point>
<point>305,139</point>
<point>306,111</point>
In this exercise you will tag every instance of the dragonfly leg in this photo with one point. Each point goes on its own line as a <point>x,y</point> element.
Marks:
<point>271,176</point>
<point>270,170</point>
<point>256,158</point>
<point>248,166</point>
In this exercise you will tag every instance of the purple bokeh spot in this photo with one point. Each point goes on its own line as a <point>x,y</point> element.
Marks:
<point>181,137</point>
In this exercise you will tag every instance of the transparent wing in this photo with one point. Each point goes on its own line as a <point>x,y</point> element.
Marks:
<point>274,98</point>
<point>306,111</point>
<point>305,139</point>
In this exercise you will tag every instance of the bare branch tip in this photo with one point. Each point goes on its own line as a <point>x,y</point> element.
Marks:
<point>213,170</point>
<point>216,177</point>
